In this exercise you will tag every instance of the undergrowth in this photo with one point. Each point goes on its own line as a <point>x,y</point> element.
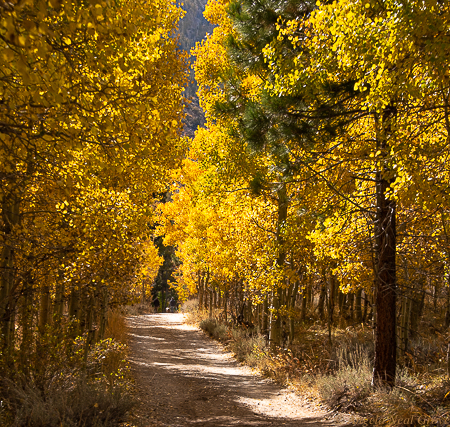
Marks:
<point>66,386</point>
<point>137,309</point>
<point>340,375</point>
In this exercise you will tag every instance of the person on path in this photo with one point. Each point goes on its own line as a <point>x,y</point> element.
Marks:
<point>156,304</point>
<point>173,305</point>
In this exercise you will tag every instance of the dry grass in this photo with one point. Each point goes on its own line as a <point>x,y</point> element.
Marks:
<point>137,309</point>
<point>340,375</point>
<point>116,328</point>
<point>70,404</point>
<point>70,387</point>
<point>192,314</point>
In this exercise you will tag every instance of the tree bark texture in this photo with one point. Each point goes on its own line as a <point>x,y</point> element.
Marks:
<point>385,247</point>
<point>275,324</point>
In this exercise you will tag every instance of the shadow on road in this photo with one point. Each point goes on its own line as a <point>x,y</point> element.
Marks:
<point>186,379</point>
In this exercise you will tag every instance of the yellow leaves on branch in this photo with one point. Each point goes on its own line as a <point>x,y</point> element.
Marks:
<point>386,55</point>
<point>90,112</point>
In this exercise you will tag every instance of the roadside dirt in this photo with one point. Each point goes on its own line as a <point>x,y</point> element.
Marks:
<point>184,378</point>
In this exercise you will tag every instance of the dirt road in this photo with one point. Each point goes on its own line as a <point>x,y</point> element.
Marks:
<point>186,379</point>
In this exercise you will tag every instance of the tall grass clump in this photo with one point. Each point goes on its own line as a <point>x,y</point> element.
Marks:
<point>215,329</point>
<point>248,346</point>
<point>338,372</point>
<point>193,314</point>
<point>350,383</point>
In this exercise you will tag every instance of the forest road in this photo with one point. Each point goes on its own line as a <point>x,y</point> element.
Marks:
<point>184,378</point>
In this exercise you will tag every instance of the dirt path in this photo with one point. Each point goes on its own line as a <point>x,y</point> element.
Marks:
<point>186,379</point>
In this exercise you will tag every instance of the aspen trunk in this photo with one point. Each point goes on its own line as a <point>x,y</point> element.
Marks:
<point>249,314</point>
<point>44,308</point>
<point>417,305</point>
<point>11,218</point>
<point>358,311</point>
<point>321,303</point>
<point>12,328</point>
<point>200,291</point>
<point>103,313</point>
<point>225,305</point>
<point>258,318</point>
<point>310,294</point>
<point>74,304</point>
<point>447,308</point>
<point>26,319</point>
<point>6,300</point>
<point>265,317</point>
<point>342,303</point>
<point>351,301</point>
<point>332,295</point>
<point>366,307</point>
<point>59,303</point>
<point>211,292</point>
<point>89,327</point>
<point>205,289</point>
<point>304,302</point>
<point>292,299</point>
<point>275,319</point>
<point>241,298</point>
<point>404,328</point>
<point>330,307</point>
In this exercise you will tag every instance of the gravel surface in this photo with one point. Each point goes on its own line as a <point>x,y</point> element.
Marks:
<point>184,378</point>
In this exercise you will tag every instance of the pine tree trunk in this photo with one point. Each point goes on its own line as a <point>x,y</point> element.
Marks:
<point>385,248</point>
<point>275,324</point>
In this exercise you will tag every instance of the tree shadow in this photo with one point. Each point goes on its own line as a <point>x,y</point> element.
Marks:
<point>188,380</point>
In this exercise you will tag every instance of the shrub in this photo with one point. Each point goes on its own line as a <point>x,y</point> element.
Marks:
<point>215,329</point>
<point>116,327</point>
<point>189,306</point>
<point>346,388</point>
<point>68,403</point>
<point>137,309</point>
<point>70,384</point>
